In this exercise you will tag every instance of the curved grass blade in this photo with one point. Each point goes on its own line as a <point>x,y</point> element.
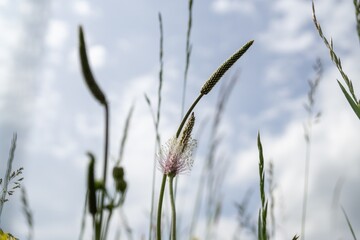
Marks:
<point>352,103</point>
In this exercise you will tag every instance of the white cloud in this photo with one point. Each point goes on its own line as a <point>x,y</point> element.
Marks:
<point>228,6</point>
<point>82,8</point>
<point>3,3</point>
<point>97,55</point>
<point>332,155</point>
<point>57,33</point>
<point>286,32</point>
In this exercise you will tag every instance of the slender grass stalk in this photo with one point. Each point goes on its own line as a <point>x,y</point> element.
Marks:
<point>188,50</point>
<point>83,219</point>
<point>28,213</point>
<point>187,114</point>
<point>125,135</point>
<point>272,199</point>
<point>349,223</point>
<point>311,119</point>
<point>188,54</point>
<point>173,208</point>
<point>8,173</point>
<point>106,152</point>
<point>157,122</point>
<point>161,197</point>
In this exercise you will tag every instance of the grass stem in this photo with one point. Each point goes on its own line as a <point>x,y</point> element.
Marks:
<point>173,208</point>
<point>161,198</point>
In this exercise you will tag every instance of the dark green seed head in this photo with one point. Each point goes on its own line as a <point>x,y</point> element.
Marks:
<point>216,76</point>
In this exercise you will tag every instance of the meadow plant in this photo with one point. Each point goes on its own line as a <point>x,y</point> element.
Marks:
<point>349,93</point>
<point>313,118</point>
<point>12,182</point>
<point>182,144</point>
<point>99,199</point>
<point>175,157</point>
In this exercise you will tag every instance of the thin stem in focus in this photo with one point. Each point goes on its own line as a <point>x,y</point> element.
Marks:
<point>187,114</point>
<point>161,198</point>
<point>173,208</point>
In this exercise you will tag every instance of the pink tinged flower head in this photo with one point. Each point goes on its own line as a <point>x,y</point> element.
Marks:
<point>175,156</point>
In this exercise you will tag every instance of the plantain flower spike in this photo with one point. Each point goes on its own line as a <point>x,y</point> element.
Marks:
<point>175,156</point>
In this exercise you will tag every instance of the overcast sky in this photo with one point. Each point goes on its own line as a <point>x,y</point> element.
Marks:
<point>43,98</point>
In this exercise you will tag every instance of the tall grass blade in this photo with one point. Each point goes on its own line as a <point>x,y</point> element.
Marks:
<point>8,172</point>
<point>125,134</point>
<point>187,54</point>
<point>355,107</point>
<point>349,223</point>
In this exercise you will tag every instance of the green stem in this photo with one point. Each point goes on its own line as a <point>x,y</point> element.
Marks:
<point>106,149</point>
<point>187,114</point>
<point>173,208</point>
<point>161,197</point>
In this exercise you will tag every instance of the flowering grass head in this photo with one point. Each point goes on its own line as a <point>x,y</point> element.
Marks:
<point>175,156</point>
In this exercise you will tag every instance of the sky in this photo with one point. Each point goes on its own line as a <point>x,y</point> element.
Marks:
<point>44,100</point>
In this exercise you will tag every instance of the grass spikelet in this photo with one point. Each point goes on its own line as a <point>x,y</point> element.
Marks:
<point>215,77</point>
<point>262,231</point>
<point>187,131</point>
<point>357,16</point>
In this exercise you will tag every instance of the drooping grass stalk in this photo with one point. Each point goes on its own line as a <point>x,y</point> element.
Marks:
<point>311,119</point>
<point>262,231</point>
<point>348,223</point>
<point>207,87</point>
<point>27,212</point>
<point>173,208</point>
<point>349,94</point>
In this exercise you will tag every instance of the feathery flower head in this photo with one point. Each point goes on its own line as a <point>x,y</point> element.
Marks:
<point>175,156</point>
